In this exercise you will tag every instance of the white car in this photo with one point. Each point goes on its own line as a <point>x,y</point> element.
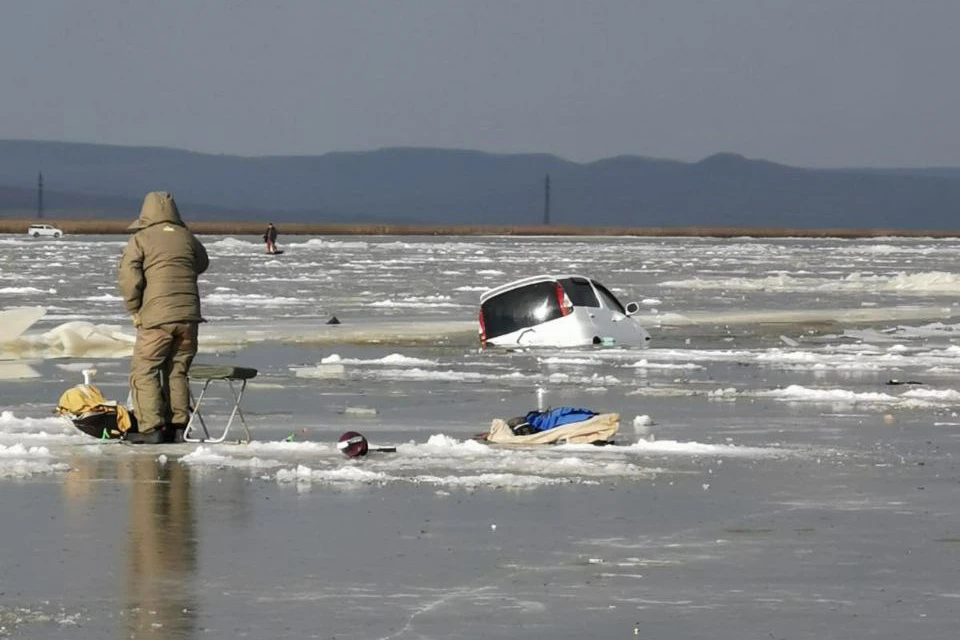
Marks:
<point>37,230</point>
<point>561,311</point>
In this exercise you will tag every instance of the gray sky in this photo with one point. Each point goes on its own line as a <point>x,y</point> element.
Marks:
<point>804,82</point>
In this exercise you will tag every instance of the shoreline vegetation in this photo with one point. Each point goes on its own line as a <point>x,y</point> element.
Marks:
<point>93,226</point>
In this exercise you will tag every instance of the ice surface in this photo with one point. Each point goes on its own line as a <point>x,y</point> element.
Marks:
<point>13,322</point>
<point>786,464</point>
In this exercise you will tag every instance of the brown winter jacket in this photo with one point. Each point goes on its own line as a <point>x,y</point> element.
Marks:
<point>158,269</point>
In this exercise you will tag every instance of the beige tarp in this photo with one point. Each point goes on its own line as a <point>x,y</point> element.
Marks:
<point>600,427</point>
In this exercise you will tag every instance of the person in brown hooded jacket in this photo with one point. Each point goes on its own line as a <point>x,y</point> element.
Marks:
<point>157,277</point>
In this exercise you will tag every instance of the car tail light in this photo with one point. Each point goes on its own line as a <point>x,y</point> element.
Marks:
<point>566,307</point>
<point>483,329</point>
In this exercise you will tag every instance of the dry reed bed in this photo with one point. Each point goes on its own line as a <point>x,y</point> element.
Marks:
<point>112,226</point>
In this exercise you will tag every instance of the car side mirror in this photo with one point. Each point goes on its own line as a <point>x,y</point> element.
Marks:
<point>632,308</point>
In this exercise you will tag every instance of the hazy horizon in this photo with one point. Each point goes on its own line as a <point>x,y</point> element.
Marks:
<point>825,83</point>
<point>464,149</point>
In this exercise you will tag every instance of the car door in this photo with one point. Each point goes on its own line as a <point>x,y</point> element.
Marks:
<point>591,316</point>
<point>613,319</point>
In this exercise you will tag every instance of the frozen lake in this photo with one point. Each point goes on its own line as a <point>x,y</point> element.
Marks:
<point>786,465</point>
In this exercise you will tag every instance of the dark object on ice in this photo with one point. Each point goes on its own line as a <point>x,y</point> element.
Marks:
<point>102,424</point>
<point>894,381</point>
<point>352,444</point>
<point>333,320</point>
<point>520,426</point>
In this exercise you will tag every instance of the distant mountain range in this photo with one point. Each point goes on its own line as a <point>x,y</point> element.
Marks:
<point>448,186</point>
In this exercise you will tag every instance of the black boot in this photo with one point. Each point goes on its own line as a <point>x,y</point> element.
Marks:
<point>149,437</point>
<point>174,432</point>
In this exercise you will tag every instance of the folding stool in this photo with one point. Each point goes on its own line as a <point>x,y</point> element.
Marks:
<point>209,373</point>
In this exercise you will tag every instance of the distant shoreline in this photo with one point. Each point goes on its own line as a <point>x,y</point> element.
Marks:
<point>246,228</point>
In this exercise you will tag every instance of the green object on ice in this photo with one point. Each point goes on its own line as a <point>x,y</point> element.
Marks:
<point>104,435</point>
<point>290,437</point>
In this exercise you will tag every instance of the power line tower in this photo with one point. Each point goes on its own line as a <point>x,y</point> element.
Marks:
<point>39,194</point>
<point>546,200</point>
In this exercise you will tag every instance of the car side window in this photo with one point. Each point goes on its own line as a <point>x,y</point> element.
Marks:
<point>580,292</point>
<point>609,300</point>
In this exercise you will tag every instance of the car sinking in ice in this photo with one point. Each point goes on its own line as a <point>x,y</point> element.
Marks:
<point>559,311</point>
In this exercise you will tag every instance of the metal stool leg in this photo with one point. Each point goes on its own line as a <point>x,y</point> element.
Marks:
<point>195,415</point>
<point>234,413</point>
<point>237,411</point>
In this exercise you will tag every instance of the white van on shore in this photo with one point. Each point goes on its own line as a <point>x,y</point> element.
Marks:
<point>48,230</point>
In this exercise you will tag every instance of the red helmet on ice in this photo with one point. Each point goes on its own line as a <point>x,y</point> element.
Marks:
<point>352,444</point>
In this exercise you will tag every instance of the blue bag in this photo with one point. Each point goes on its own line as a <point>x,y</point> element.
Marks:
<point>543,420</point>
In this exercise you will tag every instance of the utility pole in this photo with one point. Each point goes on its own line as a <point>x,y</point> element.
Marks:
<point>546,200</point>
<point>39,194</point>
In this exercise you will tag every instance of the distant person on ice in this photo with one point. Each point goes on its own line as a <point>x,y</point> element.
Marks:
<point>157,277</point>
<point>270,237</point>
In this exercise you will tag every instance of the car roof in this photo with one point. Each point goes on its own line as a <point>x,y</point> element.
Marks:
<point>525,281</point>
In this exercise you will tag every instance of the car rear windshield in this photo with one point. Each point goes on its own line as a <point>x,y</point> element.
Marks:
<point>520,308</point>
<point>580,292</point>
